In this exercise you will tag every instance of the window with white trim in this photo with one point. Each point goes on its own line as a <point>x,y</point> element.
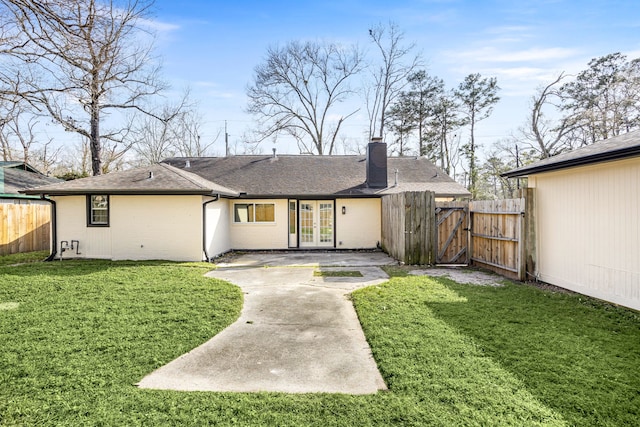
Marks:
<point>254,212</point>
<point>98,210</point>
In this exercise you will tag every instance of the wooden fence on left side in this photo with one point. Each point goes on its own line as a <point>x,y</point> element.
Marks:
<point>24,227</point>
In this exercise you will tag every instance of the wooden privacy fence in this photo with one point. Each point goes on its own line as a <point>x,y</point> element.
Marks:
<point>408,227</point>
<point>490,234</point>
<point>497,236</point>
<point>24,227</point>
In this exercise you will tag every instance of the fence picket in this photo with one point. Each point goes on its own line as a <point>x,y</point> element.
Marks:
<point>24,227</point>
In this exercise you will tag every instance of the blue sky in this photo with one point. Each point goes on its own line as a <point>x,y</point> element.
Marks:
<point>213,46</point>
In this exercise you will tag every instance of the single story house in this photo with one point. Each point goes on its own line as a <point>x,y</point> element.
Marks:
<point>586,214</point>
<point>192,209</point>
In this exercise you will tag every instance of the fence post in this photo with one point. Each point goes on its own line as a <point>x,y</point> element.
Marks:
<point>522,251</point>
<point>530,233</point>
<point>433,228</point>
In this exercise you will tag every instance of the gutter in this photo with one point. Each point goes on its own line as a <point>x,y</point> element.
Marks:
<point>569,163</point>
<point>54,228</point>
<point>216,197</point>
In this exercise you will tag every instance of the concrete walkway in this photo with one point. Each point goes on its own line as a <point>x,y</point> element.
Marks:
<point>297,333</point>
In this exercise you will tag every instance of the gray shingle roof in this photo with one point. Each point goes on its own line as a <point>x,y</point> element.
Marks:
<point>154,179</point>
<point>618,147</point>
<point>14,164</point>
<point>13,180</point>
<point>316,176</point>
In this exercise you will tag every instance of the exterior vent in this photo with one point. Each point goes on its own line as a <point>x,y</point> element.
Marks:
<point>377,164</point>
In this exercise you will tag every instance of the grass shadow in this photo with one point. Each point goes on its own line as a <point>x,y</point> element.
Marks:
<point>577,355</point>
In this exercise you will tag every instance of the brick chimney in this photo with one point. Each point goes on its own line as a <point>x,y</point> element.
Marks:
<point>376,163</point>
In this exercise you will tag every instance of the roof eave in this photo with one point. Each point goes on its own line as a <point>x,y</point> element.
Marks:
<point>580,161</point>
<point>122,192</point>
<point>17,196</point>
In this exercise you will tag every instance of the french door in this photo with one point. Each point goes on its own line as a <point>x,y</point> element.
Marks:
<point>316,223</point>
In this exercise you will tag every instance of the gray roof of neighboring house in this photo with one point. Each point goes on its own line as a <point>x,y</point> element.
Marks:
<point>14,164</point>
<point>615,148</point>
<point>311,176</point>
<point>13,180</point>
<point>154,179</point>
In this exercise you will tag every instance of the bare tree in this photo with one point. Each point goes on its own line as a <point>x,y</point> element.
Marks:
<point>80,60</point>
<point>75,161</point>
<point>296,91</point>
<point>187,130</point>
<point>389,75</point>
<point>20,139</point>
<point>153,139</point>
<point>18,134</point>
<point>45,158</point>
<point>175,129</point>
<point>6,117</point>
<point>543,135</point>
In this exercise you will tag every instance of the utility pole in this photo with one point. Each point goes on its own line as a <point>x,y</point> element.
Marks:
<point>517,166</point>
<point>226,140</point>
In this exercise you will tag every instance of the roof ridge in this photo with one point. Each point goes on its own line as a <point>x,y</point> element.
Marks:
<point>193,178</point>
<point>183,174</point>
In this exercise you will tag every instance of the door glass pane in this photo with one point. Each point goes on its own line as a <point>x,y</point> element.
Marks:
<point>292,218</point>
<point>326,222</point>
<point>306,223</point>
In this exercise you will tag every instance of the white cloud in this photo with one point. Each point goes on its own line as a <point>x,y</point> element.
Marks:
<point>161,27</point>
<point>492,54</point>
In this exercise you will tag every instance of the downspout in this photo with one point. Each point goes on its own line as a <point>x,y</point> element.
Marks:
<point>216,197</point>
<point>54,228</point>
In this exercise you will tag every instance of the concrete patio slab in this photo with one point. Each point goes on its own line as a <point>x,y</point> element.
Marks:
<point>297,333</point>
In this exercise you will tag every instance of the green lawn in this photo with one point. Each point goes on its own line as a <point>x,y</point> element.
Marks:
<point>75,336</point>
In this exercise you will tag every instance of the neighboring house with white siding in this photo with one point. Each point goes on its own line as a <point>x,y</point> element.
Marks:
<point>192,209</point>
<point>587,219</point>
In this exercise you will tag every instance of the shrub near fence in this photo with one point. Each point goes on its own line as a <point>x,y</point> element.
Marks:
<point>24,227</point>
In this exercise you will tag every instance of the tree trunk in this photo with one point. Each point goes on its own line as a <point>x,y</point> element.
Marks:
<point>473,173</point>
<point>94,143</point>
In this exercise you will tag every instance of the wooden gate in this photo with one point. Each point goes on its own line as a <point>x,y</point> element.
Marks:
<point>408,227</point>
<point>453,232</point>
<point>498,236</point>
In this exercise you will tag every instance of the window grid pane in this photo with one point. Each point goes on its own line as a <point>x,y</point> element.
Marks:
<point>99,210</point>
